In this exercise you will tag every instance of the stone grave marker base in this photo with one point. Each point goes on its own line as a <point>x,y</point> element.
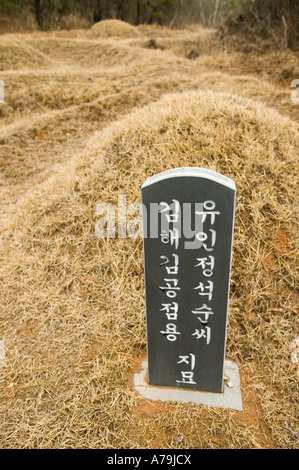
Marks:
<point>230,397</point>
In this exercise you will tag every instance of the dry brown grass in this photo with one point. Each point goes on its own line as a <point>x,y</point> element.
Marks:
<point>95,125</point>
<point>113,28</point>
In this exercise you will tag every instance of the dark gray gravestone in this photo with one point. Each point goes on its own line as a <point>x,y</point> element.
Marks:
<point>188,219</point>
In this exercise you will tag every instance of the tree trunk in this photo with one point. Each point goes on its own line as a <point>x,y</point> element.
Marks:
<point>120,9</point>
<point>138,13</point>
<point>97,11</point>
<point>39,14</point>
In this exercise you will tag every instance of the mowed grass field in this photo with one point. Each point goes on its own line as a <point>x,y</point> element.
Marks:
<point>88,116</point>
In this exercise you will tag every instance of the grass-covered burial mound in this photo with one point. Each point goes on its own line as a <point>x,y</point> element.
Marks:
<point>72,304</point>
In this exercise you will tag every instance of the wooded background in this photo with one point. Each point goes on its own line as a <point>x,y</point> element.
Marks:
<point>49,12</point>
<point>254,17</point>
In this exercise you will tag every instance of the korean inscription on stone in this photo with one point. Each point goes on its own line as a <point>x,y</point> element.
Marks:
<point>188,218</point>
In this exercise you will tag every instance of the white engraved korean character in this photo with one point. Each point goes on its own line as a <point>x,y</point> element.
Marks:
<point>207,264</point>
<point>187,378</point>
<point>206,289</point>
<point>171,287</point>
<point>208,207</point>
<point>205,311</point>
<point>171,310</point>
<point>171,332</point>
<point>173,208</point>
<point>203,333</point>
<point>171,269</point>
<point>202,237</point>
<point>189,359</point>
<point>170,236</point>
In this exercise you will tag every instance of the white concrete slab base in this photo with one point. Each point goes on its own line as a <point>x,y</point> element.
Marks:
<point>230,398</point>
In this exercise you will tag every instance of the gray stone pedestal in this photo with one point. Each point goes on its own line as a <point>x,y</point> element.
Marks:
<point>230,398</point>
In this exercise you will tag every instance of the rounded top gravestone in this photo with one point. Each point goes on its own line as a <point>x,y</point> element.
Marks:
<point>188,220</point>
